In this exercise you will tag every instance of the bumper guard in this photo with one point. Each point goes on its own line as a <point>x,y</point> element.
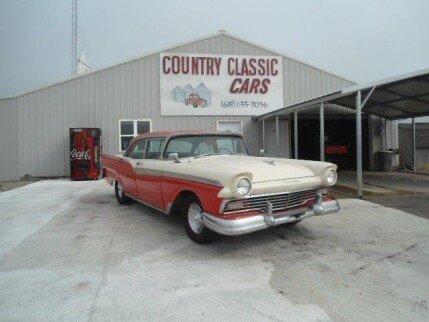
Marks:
<point>268,218</point>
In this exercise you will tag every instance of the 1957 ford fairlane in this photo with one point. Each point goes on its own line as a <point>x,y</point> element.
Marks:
<point>213,182</point>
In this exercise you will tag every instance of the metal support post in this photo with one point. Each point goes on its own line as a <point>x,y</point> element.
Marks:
<point>359,143</point>
<point>277,135</point>
<point>295,133</point>
<point>263,134</point>
<point>414,144</point>
<point>322,133</point>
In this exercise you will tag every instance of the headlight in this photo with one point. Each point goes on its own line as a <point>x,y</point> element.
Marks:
<point>331,178</point>
<point>243,187</point>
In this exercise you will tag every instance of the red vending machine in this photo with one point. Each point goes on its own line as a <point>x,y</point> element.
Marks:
<point>85,148</point>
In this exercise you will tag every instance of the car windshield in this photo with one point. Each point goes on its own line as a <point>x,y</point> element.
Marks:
<point>195,146</point>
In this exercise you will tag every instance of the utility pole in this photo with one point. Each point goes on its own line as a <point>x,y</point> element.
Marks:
<point>74,39</point>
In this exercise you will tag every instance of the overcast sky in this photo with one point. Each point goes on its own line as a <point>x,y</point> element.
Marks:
<point>360,40</point>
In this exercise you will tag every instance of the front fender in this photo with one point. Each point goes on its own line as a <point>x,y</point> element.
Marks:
<point>206,193</point>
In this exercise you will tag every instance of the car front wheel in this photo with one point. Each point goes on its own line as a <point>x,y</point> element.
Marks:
<point>193,221</point>
<point>120,194</point>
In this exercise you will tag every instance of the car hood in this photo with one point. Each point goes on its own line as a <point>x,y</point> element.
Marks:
<point>261,169</point>
<point>267,175</point>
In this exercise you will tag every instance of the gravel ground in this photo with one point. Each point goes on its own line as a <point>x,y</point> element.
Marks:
<point>10,185</point>
<point>417,204</point>
<point>68,251</point>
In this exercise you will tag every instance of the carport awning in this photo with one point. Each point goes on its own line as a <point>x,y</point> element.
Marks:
<point>400,97</point>
<point>404,96</point>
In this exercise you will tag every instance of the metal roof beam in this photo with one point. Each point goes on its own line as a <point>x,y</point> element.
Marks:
<point>414,98</point>
<point>405,97</point>
<point>391,107</point>
<point>301,106</point>
<point>407,116</point>
<point>367,97</point>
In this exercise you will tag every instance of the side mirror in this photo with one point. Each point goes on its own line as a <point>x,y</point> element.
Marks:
<point>174,156</point>
<point>262,153</point>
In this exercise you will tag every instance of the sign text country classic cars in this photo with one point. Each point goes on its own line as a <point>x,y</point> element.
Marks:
<point>206,84</point>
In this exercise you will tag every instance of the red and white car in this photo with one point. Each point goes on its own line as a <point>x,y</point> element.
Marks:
<point>211,180</point>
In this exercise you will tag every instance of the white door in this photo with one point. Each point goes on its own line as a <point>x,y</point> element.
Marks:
<point>230,126</point>
<point>270,139</point>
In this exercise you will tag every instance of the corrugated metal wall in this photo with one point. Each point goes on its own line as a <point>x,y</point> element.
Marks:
<point>383,136</point>
<point>405,135</point>
<point>34,137</point>
<point>8,138</point>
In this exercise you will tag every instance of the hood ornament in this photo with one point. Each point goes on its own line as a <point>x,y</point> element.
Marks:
<point>270,162</point>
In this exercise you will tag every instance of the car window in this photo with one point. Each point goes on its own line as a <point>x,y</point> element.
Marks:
<point>190,146</point>
<point>206,147</point>
<point>226,146</point>
<point>138,150</point>
<point>182,147</point>
<point>239,147</point>
<point>153,149</point>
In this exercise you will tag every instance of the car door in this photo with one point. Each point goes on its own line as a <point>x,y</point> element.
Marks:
<point>149,174</point>
<point>128,165</point>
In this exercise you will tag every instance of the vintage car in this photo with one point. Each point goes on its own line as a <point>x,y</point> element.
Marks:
<point>212,181</point>
<point>195,101</point>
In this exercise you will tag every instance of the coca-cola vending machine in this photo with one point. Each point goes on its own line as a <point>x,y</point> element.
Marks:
<point>85,148</point>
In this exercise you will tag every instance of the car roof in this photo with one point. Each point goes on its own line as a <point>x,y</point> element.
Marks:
<point>167,134</point>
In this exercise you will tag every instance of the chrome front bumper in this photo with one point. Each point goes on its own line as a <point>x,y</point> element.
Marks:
<point>268,218</point>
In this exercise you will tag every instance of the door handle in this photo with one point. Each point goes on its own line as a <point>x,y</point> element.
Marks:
<point>121,160</point>
<point>139,163</point>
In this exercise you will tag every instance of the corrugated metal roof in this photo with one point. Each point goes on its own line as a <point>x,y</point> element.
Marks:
<point>399,97</point>
<point>172,47</point>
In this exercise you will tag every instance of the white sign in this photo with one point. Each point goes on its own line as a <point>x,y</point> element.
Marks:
<point>202,84</point>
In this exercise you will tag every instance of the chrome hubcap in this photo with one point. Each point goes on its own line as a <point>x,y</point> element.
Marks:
<point>120,190</point>
<point>195,218</point>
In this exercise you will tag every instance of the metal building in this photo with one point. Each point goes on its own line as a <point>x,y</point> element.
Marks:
<point>34,127</point>
<point>419,160</point>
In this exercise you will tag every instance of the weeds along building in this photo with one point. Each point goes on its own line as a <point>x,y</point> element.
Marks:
<point>217,82</point>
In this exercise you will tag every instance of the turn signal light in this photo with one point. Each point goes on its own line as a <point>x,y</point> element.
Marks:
<point>235,205</point>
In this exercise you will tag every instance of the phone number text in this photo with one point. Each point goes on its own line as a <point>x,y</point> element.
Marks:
<point>243,104</point>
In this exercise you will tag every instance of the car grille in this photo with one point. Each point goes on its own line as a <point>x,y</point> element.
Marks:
<point>279,201</point>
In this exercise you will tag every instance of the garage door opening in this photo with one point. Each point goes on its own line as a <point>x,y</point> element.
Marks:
<point>340,140</point>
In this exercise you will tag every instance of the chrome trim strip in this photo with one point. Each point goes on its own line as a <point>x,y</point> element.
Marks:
<point>287,179</point>
<point>148,172</point>
<point>169,174</point>
<point>148,204</point>
<point>223,204</point>
<point>168,209</point>
<point>191,178</point>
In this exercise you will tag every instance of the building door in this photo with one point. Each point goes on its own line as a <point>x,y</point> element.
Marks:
<point>271,137</point>
<point>230,126</point>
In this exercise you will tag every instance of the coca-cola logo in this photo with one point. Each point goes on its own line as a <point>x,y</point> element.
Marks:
<point>80,155</point>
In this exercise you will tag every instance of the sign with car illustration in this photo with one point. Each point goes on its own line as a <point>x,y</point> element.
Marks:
<point>200,96</point>
<point>200,84</point>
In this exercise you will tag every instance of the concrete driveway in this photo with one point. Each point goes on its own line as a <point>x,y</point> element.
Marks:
<point>68,251</point>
